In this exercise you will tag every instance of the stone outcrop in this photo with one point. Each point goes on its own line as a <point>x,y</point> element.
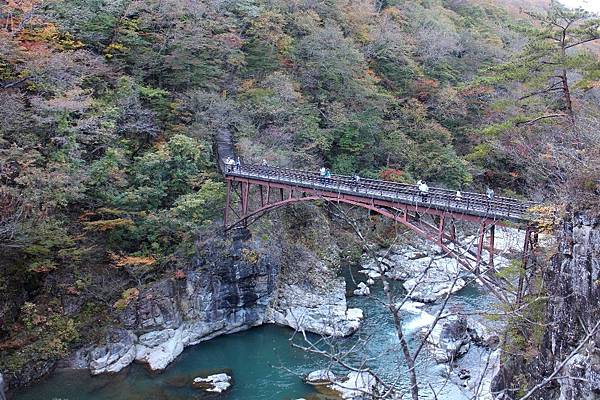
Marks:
<point>355,386</point>
<point>230,287</point>
<point>217,383</point>
<point>449,339</point>
<point>427,278</point>
<point>116,354</point>
<point>573,294</point>
<point>316,310</point>
<point>320,377</point>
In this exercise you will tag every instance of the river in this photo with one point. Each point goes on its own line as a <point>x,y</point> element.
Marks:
<point>262,362</point>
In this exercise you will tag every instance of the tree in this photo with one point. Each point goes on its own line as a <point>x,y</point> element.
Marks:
<point>550,60</point>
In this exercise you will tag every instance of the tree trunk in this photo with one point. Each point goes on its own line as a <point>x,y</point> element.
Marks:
<point>564,79</point>
<point>410,362</point>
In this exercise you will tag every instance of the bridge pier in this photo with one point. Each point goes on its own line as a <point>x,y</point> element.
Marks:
<point>491,245</point>
<point>480,238</point>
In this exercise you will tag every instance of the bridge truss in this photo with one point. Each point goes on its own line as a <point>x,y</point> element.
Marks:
<point>253,191</point>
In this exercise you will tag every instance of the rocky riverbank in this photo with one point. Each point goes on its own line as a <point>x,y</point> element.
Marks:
<point>465,344</point>
<point>231,286</point>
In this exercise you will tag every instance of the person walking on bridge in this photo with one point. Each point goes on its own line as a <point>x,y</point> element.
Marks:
<point>356,182</point>
<point>322,173</point>
<point>489,192</point>
<point>424,189</point>
<point>238,164</point>
<point>229,163</point>
<point>264,163</point>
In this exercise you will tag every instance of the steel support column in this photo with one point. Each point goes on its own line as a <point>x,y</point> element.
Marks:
<point>441,230</point>
<point>453,230</point>
<point>262,198</point>
<point>491,245</point>
<point>525,261</point>
<point>480,246</point>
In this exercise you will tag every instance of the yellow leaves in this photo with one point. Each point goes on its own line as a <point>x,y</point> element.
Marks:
<point>68,43</point>
<point>246,85</point>
<point>250,256</point>
<point>107,225</point>
<point>114,48</point>
<point>129,295</point>
<point>545,217</point>
<point>362,35</point>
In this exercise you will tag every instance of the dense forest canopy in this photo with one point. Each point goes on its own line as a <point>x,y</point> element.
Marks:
<point>109,108</point>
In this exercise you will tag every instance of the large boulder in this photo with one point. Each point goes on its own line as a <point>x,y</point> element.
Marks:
<point>362,289</point>
<point>217,383</point>
<point>318,310</point>
<point>429,289</point>
<point>426,277</point>
<point>320,377</point>
<point>355,386</point>
<point>116,354</point>
<point>449,339</point>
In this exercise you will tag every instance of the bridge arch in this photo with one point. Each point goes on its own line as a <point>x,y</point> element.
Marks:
<point>404,204</point>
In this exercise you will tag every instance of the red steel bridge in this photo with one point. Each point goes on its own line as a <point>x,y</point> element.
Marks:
<point>253,190</point>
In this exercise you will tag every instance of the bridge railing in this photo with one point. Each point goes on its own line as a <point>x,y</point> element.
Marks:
<point>499,207</point>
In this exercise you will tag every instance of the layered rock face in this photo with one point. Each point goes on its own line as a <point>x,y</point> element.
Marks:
<point>230,287</point>
<point>573,284</point>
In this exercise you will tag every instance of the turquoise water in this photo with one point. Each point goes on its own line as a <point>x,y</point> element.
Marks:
<point>262,362</point>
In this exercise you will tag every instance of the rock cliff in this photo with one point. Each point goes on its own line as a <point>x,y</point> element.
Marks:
<point>232,285</point>
<point>572,285</point>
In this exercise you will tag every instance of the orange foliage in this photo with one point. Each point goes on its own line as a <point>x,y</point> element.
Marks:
<point>120,261</point>
<point>424,88</point>
<point>392,175</point>
<point>19,14</point>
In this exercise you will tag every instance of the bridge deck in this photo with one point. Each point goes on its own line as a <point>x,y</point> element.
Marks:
<point>475,204</point>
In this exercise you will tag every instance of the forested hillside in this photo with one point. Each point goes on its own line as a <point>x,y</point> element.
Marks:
<point>108,111</point>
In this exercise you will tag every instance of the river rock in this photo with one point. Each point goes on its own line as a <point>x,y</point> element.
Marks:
<point>159,348</point>
<point>320,377</point>
<point>318,310</point>
<point>427,278</point>
<point>362,290</point>
<point>449,339</point>
<point>480,333</point>
<point>431,289</point>
<point>116,354</point>
<point>355,386</point>
<point>217,383</point>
